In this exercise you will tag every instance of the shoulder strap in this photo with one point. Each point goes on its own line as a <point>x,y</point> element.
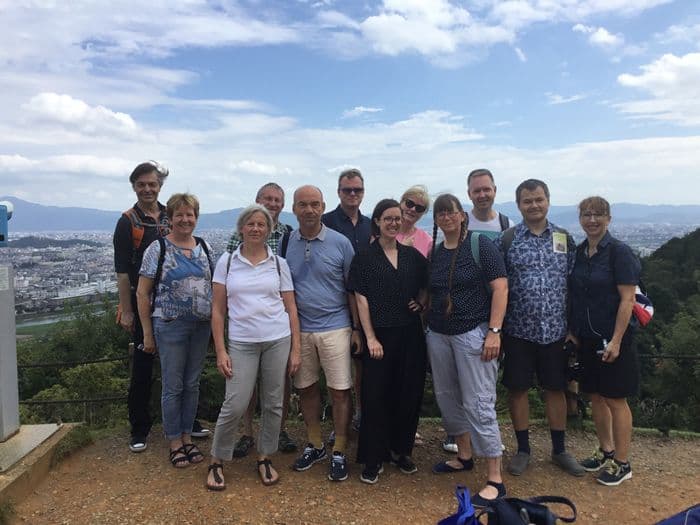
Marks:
<point>203,244</point>
<point>474,245</point>
<point>507,238</point>
<point>557,499</point>
<point>503,221</point>
<point>159,271</point>
<point>228,264</point>
<point>137,228</point>
<point>285,241</point>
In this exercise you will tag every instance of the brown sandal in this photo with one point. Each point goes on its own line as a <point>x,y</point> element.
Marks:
<point>267,478</point>
<point>215,468</point>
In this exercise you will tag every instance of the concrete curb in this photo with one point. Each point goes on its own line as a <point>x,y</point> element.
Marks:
<point>23,477</point>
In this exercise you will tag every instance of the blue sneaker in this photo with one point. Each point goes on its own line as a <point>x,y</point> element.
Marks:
<point>339,467</point>
<point>310,456</point>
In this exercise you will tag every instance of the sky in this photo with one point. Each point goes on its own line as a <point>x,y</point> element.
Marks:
<point>591,96</point>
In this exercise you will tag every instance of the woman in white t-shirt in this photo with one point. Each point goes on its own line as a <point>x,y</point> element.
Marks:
<point>255,287</point>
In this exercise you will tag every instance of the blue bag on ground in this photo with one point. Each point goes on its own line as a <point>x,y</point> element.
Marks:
<point>465,511</point>
<point>690,516</point>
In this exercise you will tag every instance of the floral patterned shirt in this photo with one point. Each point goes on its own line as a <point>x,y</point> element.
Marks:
<point>538,268</point>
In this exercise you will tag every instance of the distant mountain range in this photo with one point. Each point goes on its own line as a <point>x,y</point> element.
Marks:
<point>32,217</point>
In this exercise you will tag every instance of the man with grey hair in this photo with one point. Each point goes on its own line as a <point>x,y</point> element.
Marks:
<point>137,227</point>
<point>271,196</point>
<point>319,259</point>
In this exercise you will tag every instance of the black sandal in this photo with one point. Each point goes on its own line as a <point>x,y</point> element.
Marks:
<point>177,461</point>
<point>267,479</point>
<point>215,468</point>
<point>194,455</point>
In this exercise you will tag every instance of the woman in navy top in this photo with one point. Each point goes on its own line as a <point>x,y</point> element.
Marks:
<point>468,297</point>
<point>603,286</point>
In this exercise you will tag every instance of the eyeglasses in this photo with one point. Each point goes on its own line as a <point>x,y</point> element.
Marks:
<point>446,214</point>
<point>356,191</point>
<point>596,216</point>
<point>418,207</point>
<point>389,220</point>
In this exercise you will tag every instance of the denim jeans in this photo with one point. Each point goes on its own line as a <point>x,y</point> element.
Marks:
<point>270,357</point>
<point>182,347</point>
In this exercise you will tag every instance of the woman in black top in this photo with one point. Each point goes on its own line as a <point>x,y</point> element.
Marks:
<point>603,286</point>
<point>389,282</point>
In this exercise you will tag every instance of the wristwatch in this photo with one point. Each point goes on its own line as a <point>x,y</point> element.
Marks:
<point>495,330</point>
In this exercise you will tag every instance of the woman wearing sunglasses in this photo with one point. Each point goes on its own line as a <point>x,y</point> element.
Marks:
<point>415,201</point>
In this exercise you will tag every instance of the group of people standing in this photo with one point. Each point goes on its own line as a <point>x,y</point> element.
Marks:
<point>381,293</point>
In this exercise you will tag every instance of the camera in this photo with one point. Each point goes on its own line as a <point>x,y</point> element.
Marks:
<point>6,209</point>
<point>573,371</point>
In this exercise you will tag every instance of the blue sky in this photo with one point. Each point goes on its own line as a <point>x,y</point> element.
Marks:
<point>592,96</point>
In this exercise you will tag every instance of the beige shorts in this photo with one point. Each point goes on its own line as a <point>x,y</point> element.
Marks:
<point>330,351</point>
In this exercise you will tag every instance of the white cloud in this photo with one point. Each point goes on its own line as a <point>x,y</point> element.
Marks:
<point>359,111</point>
<point>9,163</point>
<point>554,99</point>
<point>599,36</point>
<point>336,19</point>
<point>673,85</point>
<point>72,113</point>
<point>521,55</point>
<point>255,168</point>
<point>680,33</point>
<point>428,27</point>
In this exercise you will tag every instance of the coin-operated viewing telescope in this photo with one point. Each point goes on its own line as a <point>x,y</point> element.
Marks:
<point>6,209</point>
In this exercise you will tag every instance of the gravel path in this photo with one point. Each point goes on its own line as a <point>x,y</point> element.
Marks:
<point>106,484</point>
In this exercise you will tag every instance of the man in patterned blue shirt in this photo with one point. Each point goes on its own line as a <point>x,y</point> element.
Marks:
<point>539,257</point>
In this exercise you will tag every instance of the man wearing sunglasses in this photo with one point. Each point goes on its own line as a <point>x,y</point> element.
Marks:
<point>346,218</point>
<point>481,190</point>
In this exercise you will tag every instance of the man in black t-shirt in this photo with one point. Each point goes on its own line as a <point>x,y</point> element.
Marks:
<point>136,229</point>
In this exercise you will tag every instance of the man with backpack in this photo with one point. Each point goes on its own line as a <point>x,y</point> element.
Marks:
<point>140,225</point>
<point>481,190</point>
<point>539,257</point>
<point>271,196</point>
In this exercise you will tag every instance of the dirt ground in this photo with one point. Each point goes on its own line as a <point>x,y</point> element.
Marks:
<point>106,484</point>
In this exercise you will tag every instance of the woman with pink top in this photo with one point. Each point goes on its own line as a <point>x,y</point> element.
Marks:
<point>414,203</point>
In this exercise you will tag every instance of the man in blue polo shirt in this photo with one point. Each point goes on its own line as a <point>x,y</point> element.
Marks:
<point>539,257</point>
<point>319,259</point>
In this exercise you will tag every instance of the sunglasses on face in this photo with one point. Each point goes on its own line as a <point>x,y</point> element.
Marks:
<point>356,191</point>
<point>418,207</point>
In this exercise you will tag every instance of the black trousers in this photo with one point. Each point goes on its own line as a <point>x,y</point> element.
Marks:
<point>392,393</point>
<point>141,381</point>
